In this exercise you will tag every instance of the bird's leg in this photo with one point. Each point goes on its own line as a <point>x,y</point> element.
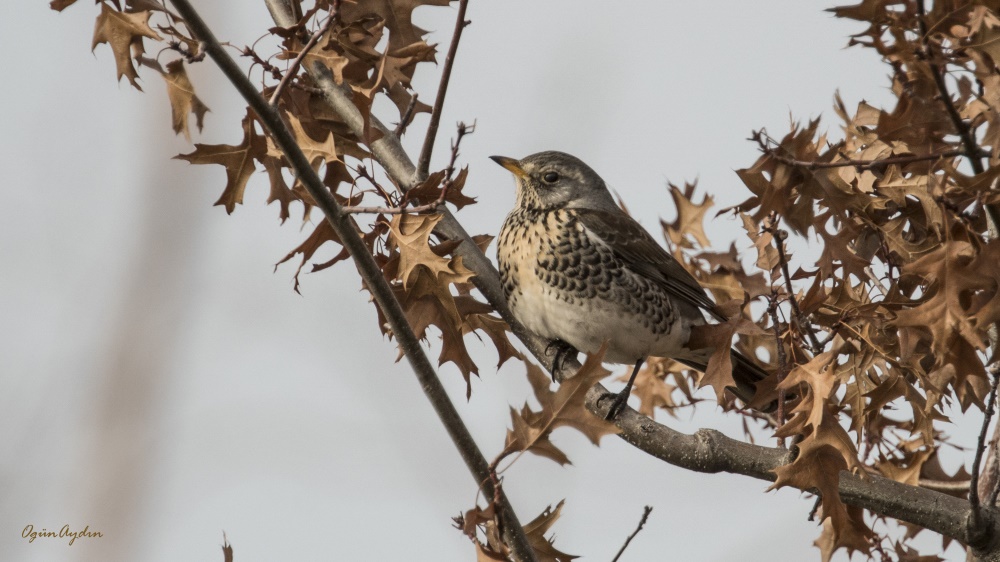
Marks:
<point>562,351</point>
<point>621,399</point>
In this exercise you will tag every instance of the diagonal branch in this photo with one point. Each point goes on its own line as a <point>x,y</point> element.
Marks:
<point>368,269</point>
<point>424,162</point>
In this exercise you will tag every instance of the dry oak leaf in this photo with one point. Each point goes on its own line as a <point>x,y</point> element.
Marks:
<point>535,530</point>
<point>238,161</point>
<point>823,453</point>
<point>430,190</point>
<point>397,15</point>
<point>719,337</point>
<point>857,536</point>
<point>563,408</point>
<point>60,5</point>
<point>122,30</point>
<point>316,151</point>
<point>411,234</point>
<point>183,100</point>
<point>820,379</point>
<point>950,279</point>
<point>690,219</point>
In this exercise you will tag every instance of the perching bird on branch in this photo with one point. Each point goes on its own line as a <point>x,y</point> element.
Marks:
<point>577,269</point>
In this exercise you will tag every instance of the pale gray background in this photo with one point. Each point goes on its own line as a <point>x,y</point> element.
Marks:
<point>161,384</point>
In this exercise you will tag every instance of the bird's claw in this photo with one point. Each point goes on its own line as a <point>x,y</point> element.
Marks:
<point>619,403</point>
<point>562,351</point>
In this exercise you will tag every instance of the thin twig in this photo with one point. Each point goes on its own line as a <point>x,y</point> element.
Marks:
<point>404,121</point>
<point>769,146</point>
<point>313,40</point>
<point>772,309</point>
<point>369,270</point>
<point>804,327</point>
<point>971,147</point>
<point>642,522</point>
<point>424,161</point>
<point>265,65</point>
<point>815,508</point>
<point>975,514</point>
<point>463,130</point>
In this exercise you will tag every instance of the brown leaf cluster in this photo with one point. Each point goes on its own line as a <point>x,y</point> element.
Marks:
<point>893,330</point>
<point>373,48</point>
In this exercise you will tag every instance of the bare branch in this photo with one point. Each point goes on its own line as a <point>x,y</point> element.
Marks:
<point>804,327</point>
<point>642,522</point>
<point>772,310</point>
<point>424,161</point>
<point>404,121</point>
<point>368,269</point>
<point>293,69</point>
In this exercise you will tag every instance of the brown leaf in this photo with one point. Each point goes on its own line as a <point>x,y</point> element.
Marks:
<point>183,100</point>
<point>238,161</point>
<point>535,530</point>
<point>719,338</point>
<point>411,234</point>
<point>60,5</point>
<point>122,31</point>
<point>397,15</point>
<point>690,221</point>
<point>563,408</point>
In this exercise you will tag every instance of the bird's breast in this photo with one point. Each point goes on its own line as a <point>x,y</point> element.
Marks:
<point>562,284</point>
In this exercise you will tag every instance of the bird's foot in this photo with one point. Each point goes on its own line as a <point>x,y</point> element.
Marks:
<point>617,405</point>
<point>562,351</point>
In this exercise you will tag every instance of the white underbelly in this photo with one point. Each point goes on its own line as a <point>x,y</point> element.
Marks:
<point>586,325</point>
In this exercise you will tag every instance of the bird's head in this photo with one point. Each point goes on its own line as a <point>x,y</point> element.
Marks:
<point>555,180</point>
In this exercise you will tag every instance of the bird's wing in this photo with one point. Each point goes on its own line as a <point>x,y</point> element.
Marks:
<point>641,254</point>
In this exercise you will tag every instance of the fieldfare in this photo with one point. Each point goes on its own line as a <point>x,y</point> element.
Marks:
<point>577,269</point>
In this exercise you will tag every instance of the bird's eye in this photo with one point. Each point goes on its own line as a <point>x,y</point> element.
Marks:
<point>551,177</point>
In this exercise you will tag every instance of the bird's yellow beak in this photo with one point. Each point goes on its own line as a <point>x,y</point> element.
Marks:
<point>511,164</point>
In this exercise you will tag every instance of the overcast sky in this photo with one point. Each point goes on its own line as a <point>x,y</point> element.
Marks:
<point>163,384</point>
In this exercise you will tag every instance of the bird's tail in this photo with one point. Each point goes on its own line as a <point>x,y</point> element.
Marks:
<point>746,373</point>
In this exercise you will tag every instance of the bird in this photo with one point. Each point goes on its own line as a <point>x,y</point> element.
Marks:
<point>578,270</point>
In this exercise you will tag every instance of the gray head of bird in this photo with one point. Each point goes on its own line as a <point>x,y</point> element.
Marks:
<point>555,180</point>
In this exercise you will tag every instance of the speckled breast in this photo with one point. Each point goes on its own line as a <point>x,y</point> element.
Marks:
<point>563,283</point>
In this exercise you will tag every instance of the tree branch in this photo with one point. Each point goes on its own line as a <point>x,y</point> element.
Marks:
<point>424,162</point>
<point>368,269</point>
